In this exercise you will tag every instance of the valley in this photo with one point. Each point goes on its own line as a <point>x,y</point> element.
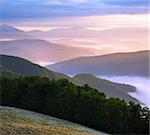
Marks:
<point>74,67</point>
<point>142,92</point>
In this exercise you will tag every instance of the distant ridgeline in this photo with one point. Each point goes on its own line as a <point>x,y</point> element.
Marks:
<point>116,64</point>
<point>11,66</point>
<point>80,104</point>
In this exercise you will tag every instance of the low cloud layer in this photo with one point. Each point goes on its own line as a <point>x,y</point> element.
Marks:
<point>141,84</point>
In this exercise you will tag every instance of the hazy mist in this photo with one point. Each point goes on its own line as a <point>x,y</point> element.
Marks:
<point>141,84</point>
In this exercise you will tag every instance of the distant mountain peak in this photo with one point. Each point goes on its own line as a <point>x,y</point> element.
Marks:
<point>5,25</point>
<point>4,28</point>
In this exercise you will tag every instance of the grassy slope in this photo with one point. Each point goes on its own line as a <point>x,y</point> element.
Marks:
<point>20,122</point>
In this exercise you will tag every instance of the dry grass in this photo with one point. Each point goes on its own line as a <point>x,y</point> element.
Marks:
<point>12,123</point>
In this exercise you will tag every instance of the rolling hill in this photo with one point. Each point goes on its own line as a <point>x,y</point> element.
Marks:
<point>15,66</point>
<point>37,50</point>
<point>117,64</point>
<point>111,89</point>
<point>18,121</point>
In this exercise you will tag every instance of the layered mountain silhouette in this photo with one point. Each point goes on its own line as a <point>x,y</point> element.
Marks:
<point>78,32</point>
<point>9,29</point>
<point>36,49</point>
<point>117,64</point>
<point>7,32</point>
<point>11,66</point>
<point>93,42</point>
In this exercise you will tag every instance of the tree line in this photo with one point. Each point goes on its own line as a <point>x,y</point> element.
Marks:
<point>81,104</point>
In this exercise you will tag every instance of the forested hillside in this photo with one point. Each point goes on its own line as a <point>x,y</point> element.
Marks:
<point>80,104</point>
<point>11,66</point>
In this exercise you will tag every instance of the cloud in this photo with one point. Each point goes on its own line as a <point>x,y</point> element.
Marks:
<point>141,84</point>
<point>110,2</point>
<point>38,9</point>
<point>100,21</point>
<point>127,2</point>
<point>67,1</point>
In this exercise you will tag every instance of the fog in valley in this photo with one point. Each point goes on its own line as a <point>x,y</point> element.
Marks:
<point>141,84</point>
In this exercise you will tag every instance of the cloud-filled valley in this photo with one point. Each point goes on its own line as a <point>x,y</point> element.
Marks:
<point>71,42</point>
<point>142,86</point>
<point>86,61</point>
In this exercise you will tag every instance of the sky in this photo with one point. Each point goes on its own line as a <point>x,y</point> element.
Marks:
<point>126,21</point>
<point>44,14</point>
<point>37,10</point>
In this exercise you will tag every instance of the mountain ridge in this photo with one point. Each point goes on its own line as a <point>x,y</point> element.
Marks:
<point>130,64</point>
<point>7,31</point>
<point>42,49</point>
<point>11,66</point>
<point>25,67</point>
